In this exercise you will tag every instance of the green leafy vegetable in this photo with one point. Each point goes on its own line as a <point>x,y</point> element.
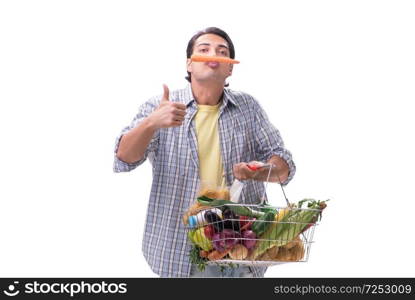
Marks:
<point>196,259</point>
<point>291,225</point>
<point>237,209</point>
<point>262,224</point>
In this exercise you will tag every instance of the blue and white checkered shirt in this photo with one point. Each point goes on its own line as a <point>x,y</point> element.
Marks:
<point>245,135</point>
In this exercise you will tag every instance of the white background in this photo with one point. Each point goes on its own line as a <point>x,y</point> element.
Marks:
<point>336,78</point>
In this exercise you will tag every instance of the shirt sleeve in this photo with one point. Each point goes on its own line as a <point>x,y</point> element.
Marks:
<point>269,142</point>
<point>145,109</point>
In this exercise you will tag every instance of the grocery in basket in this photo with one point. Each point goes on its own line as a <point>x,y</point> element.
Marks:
<point>226,232</point>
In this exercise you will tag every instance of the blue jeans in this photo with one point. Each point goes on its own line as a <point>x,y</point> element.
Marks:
<point>215,271</point>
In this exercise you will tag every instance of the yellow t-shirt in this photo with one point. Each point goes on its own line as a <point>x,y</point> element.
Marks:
<point>210,159</point>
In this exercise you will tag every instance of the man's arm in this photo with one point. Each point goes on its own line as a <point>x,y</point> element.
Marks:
<point>134,143</point>
<point>270,148</point>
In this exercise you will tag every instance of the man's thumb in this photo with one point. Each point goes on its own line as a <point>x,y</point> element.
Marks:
<point>165,93</point>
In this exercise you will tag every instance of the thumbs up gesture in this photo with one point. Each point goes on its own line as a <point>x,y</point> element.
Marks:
<point>166,93</point>
<point>168,114</point>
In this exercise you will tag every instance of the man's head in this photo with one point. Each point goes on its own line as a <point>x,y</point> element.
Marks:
<point>211,41</point>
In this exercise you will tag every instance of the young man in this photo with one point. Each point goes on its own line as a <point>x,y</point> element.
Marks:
<point>205,132</point>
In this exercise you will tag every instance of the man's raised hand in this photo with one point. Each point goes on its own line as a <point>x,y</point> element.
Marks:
<point>169,113</point>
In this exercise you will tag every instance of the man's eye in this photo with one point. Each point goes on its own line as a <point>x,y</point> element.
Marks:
<point>223,53</point>
<point>203,50</point>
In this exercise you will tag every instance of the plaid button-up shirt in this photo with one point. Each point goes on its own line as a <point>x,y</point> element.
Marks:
<point>245,134</point>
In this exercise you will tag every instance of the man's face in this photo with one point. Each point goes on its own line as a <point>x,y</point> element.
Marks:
<point>211,45</point>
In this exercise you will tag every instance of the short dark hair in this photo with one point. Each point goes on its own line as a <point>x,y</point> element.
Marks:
<point>212,30</point>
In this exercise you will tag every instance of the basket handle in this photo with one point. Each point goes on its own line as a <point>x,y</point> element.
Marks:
<point>283,192</point>
<point>270,166</point>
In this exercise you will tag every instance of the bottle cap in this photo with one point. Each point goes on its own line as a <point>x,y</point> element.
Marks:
<point>192,221</point>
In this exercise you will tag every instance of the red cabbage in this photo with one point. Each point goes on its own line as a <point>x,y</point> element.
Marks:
<point>248,238</point>
<point>225,240</point>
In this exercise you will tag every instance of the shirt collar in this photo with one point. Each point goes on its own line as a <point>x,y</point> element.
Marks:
<point>188,95</point>
<point>227,96</point>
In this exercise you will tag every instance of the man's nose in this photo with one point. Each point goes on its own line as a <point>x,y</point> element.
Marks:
<point>212,52</point>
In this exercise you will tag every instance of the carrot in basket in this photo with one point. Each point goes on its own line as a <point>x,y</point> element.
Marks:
<point>205,58</point>
<point>203,253</point>
<point>216,255</point>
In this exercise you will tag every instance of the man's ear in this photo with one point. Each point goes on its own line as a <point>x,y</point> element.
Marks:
<point>189,65</point>
<point>230,69</point>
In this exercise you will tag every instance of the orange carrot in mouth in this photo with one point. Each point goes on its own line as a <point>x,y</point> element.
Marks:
<point>205,58</point>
